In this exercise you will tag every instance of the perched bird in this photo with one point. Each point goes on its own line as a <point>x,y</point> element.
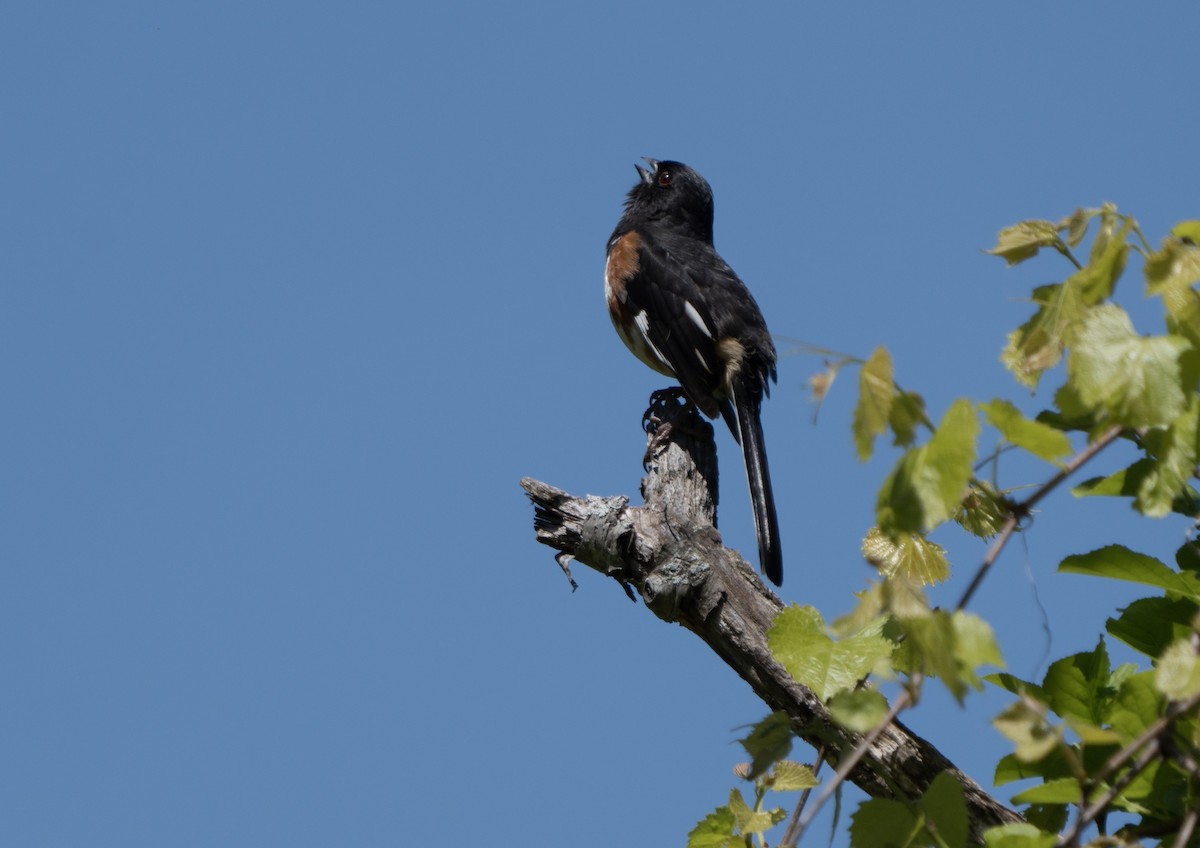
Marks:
<point>681,309</point>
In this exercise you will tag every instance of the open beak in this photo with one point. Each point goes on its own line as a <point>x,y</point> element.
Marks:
<point>647,176</point>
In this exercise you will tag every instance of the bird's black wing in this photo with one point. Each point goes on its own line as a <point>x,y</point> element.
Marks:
<point>681,297</point>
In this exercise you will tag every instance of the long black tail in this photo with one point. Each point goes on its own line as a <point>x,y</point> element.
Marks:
<point>766,523</point>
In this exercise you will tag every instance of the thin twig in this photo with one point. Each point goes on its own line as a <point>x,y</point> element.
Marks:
<point>1174,711</point>
<point>1026,506</point>
<point>1145,742</point>
<point>1088,815</point>
<point>903,701</point>
<point>792,834</point>
<point>1186,761</point>
<point>1186,828</point>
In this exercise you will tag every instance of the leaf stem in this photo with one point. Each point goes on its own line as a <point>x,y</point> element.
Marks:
<point>1066,251</point>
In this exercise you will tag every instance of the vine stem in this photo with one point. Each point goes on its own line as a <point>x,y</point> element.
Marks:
<point>1023,508</point>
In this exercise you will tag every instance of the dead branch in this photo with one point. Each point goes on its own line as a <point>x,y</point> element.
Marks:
<point>669,552</point>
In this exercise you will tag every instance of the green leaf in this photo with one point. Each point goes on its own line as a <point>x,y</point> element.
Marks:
<point>1188,558</point>
<point>740,809</point>
<point>870,608</point>
<point>768,741</point>
<point>928,484</point>
<point>750,820</point>
<point>1062,791</point>
<point>859,710</point>
<point>1150,624</point>
<point>1172,272</point>
<point>1123,483</point>
<point>1028,729</point>
<point>907,413</point>
<point>983,511</point>
<point>876,389</point>
<point>1174,461</point>
<point>1051,766</point>
<point>1129,482</point>
<point>1122,673</point>
<point>1017,686</point>
<point>946,811</point>
<point>799,641</point>
<point>901,596</point>
<point>1178,672</point>
<point>892,596</point>
<point>1036,346</point>
<point>1106,232</point>
<point>1072,413</point>
<point>951,647</point>
<point>1076,226</point>
<point>1134,380</point>
<point>716,830</point>
<point>1188,231</point>
<point>1136,706</point>
<point>1009,768</point>
<point>1143,786</point>
<point>911,556</point>
<point>1050,818</point>
<point>1023,240</point>
<point>1090,734</point>
<point>883,823</point>
<point>1078,686</point>
<point>1096,280</point>
<point>1175,265</point>
<point>1183,313</point>
<point>975,644</point>
<point>1168,795</point>
<point>951,455</point>
<point>1120,563</point>
<point>1039,439</point>
<point>1019,835</point>
<point>792,777</point>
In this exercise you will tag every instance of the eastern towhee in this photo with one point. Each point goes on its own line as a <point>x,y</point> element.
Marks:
<point>683,311</point>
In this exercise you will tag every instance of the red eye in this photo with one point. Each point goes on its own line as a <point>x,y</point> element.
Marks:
<point>664,178</point>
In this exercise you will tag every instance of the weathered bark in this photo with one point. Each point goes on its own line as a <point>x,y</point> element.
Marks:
<point>670,553</point>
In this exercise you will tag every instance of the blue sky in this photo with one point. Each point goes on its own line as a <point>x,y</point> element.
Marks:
<point>294,294</point>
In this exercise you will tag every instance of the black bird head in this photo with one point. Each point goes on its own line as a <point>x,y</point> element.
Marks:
<point>672,194</point>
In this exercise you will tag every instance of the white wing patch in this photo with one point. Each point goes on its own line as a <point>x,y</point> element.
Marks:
<point>637,339</point>
<point>642,322</point>
<point>692,313</point>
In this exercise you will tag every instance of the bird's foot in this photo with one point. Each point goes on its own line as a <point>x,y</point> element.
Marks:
<point>668,407</point>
